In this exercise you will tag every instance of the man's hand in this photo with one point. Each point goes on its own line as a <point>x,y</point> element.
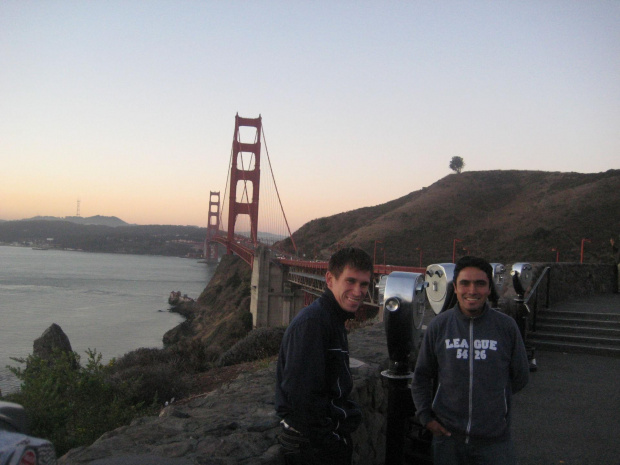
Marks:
<point>437,429</point>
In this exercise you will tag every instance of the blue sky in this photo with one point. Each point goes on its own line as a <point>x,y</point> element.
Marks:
<point>129,105</point>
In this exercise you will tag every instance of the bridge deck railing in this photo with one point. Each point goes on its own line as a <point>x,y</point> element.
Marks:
<point>310,275</point>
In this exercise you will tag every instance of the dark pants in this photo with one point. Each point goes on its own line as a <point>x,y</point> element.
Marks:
<point>297,450</point>
<point>450,451</point>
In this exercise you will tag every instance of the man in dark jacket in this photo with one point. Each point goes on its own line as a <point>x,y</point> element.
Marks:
<point>313,381</point>
<point>476,357</point>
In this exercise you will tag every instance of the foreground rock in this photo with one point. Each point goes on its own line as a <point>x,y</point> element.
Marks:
<point>236,424</point>
<point>52,340</point>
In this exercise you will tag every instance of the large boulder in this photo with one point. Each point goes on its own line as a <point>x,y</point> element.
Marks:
<point>53,339</point>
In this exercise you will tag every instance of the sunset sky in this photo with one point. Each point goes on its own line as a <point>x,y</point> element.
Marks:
<point>129,106</point>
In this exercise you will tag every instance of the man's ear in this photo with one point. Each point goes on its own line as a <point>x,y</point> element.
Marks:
<point>329,279</point>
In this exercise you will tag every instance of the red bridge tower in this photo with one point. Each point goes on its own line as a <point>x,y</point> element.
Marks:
<point>213,227</point>
<point>241,176</point>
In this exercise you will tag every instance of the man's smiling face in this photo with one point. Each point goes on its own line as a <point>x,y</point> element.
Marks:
<point>472,290</point>
<point>349,288</point>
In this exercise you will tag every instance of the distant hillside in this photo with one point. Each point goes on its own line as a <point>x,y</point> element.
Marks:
<point>98,220</point>
<point>154,239</point>
<point>504,216</point>
<point>264,237</point>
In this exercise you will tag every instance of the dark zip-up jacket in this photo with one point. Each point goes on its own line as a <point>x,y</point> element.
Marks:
<point>313,381</point>
<point>478,363</point>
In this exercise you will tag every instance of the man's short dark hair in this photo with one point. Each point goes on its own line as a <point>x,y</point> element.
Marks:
<point>349,256</point>
<point>474,262</point>
<point>481,264</point>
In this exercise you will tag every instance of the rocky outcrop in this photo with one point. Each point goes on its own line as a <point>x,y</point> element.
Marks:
<point>236,424</point>
<point>221,315</point>
<point>53,340</point>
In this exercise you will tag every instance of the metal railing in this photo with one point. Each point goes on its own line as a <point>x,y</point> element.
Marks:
<point>534,293</point>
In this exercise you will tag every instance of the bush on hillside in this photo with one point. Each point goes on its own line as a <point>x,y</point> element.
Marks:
<point>156,375</point>
<point>70,404</point>
<point>258,344</point>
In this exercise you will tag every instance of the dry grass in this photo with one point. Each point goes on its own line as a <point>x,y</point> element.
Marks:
<point>504,216</point>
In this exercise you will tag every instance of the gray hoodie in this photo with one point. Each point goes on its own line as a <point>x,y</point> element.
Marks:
<point>478,364</point>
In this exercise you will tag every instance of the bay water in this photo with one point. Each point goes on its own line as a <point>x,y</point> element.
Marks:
<point>112,303</point>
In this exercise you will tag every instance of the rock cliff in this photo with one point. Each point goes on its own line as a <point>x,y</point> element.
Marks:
<point>220,316</point>
<point>236,423</point>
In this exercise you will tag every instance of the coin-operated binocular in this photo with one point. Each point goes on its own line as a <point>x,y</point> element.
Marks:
<point>404,301</point>
<point>499,281</point>
<point>522,275</point>
<point>404,309</point>
<point>440,291</point>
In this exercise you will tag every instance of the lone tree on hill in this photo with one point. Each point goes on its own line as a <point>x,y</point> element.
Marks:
<point>457,164</point>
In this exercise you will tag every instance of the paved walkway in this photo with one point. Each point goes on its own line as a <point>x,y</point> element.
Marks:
<point>569,413</point>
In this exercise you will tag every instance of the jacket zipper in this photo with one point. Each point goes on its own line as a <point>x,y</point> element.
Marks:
<point>471,378</point>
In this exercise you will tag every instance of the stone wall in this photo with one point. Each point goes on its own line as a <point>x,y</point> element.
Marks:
<point>574,280</point>
<point>563,281</point>
<point>571,280</point>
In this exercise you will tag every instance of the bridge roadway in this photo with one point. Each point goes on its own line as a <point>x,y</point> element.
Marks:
<point>310,275</point>
<point>281,286</point>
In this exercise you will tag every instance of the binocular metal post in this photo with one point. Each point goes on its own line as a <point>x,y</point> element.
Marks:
<point>400,409</point>
<point>404,295</point>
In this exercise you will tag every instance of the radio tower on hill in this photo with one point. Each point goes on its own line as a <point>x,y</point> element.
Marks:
<point>78,208</point>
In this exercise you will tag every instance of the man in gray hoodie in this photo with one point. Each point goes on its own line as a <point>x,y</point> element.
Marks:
<point>475,357</point>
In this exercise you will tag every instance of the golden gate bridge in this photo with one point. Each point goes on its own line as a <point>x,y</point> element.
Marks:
<point>244,188</point>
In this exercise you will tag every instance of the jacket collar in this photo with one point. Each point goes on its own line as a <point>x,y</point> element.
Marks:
<point>461,315</point>
<point>334,307</point>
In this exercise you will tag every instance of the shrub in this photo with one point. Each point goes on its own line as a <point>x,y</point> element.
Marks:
<point>233,281</point>
<point>144,356</point>
<point>155,375</point>
<point>258,344</point>
<point>247,320</point>
<point>69,404</point>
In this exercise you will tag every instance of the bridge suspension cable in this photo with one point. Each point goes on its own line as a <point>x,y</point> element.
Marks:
<point>277,192</point>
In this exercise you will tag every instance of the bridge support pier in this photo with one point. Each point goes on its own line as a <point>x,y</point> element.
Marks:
<point>271,301</point>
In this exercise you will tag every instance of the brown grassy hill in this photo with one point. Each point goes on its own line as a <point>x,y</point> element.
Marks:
<point>504,216</point>
<point>221,315</point>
